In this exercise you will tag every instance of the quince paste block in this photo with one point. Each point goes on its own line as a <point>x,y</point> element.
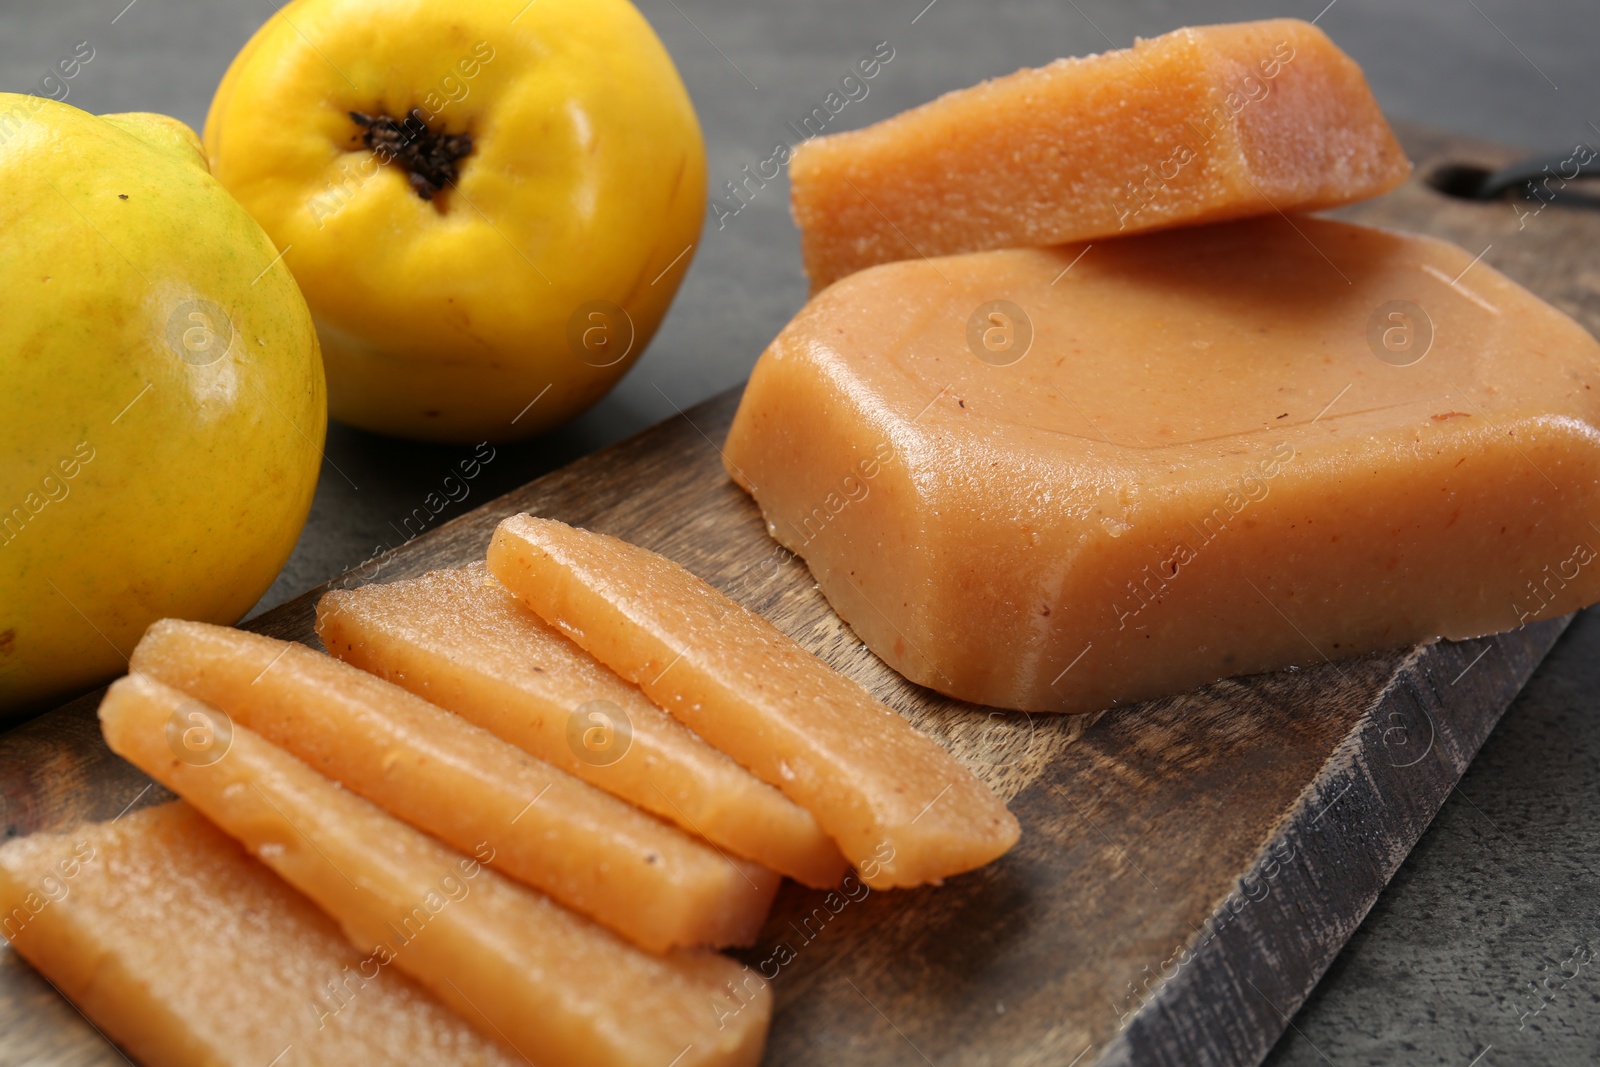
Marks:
<point>900,807</point>
<point>645,879</point>
<point>1204,124</point>
<point>556,988</point>
<point>459,639</point>
<point>188,953</point>
<point>1206,452</point>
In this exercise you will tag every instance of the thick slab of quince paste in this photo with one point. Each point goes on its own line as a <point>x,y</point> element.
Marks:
<point>1206,452</point>
<point>188,953</point>
<point>1203,124</point>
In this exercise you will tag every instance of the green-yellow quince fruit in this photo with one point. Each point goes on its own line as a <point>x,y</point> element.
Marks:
<point>162,404</point>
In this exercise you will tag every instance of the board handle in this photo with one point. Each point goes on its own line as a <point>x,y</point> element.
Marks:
<point>1546,178</point>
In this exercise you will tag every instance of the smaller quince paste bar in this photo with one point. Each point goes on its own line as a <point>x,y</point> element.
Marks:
<point>1205,452</point>
<point>1197,125</point>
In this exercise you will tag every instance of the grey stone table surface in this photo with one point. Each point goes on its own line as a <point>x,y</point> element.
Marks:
<point>1497,912</point>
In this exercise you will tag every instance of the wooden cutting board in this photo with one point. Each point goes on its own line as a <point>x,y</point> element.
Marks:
<point>1188,867</point>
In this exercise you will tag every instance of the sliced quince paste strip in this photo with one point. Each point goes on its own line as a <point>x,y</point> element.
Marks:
<point>459,639</point>
<point>647,880</point>
<point>1197,125</point>
<point>552,985</point>
<point>899,806</point>
<point>188,953</point>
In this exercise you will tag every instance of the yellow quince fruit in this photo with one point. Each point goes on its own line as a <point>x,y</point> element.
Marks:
<point>488,205</point>
<point>163,407</point>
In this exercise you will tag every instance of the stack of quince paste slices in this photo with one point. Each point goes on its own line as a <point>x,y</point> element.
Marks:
<point>533,795</point>
<point>1085,411</point>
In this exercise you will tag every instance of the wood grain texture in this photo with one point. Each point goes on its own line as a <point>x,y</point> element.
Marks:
<point>1188,867</point>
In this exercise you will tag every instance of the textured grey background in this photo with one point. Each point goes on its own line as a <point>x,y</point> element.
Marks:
<point>1482,922</point>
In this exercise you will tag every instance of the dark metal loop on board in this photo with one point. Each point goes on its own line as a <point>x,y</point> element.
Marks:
<point>1545,178</point>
